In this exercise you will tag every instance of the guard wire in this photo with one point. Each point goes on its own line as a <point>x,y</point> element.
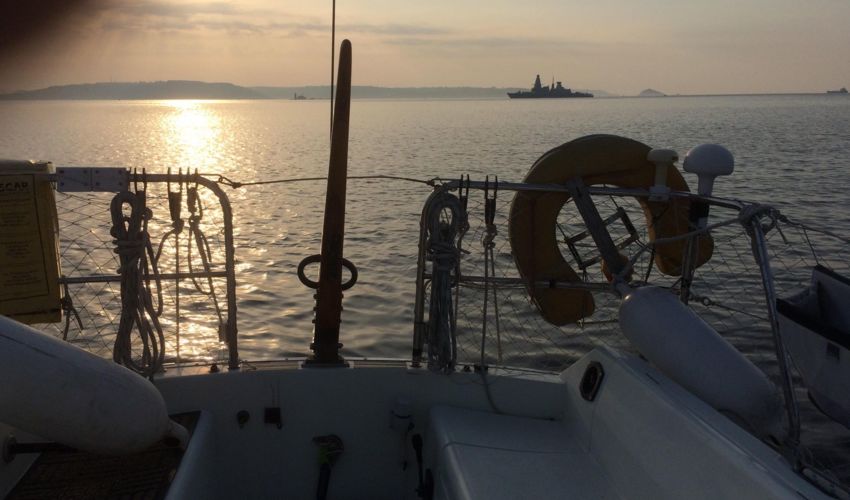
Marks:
<point>236,184</point>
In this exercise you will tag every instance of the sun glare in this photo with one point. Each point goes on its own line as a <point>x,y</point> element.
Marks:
<point>193,130</point>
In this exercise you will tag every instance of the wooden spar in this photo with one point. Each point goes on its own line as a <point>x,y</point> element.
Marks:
<point>329,294</point>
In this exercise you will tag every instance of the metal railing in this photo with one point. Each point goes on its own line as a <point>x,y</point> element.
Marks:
<point>750,220</point>
<point>89,267</point>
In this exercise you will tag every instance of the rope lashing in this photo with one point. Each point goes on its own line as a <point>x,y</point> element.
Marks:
<point>69,310</point>
<point>463,228</point>
<point>135,254</point>
<point>445,218</point>
<point>463,225</point>
<point>488,242</point>
<point>757,212</point>
<point>198,243</point>
<point>490,213</point>
<point>175,205</point>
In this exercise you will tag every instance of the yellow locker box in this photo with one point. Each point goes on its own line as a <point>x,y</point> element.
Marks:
<point>29,244</point>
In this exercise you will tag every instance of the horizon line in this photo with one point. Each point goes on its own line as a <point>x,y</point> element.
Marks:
<point>429,87</point>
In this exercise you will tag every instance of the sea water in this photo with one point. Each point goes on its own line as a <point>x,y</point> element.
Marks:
<point>792,151</point>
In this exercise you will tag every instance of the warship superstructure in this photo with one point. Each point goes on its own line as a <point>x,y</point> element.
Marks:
<point>556,90</point>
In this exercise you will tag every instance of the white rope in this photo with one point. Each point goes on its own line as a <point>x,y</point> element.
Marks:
<point>197,240</point>
<point>134,249</point>
<point>442,343</point>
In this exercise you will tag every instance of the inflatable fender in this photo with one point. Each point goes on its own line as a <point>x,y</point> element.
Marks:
<point>62,393</point>
<point>596,159</point>
<point>681,345</point>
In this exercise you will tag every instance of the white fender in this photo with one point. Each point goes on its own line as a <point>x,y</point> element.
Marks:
<point>685,348</point>
<point>62,393</point>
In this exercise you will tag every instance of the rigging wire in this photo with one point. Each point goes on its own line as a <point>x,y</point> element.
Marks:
<point>175,202</point>
<point>197,240</point>
<point>236,184</point>
<point>333,54</point>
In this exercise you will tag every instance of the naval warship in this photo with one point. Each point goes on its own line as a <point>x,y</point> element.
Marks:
<point>556,90</point>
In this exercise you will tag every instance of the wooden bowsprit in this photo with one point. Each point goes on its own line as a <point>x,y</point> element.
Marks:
<point>329,289</point>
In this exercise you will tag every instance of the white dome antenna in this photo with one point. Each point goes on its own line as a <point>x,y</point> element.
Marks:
<point>663,160</point>
<point>708,161</point>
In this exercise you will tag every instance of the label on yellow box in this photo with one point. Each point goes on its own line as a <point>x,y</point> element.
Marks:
<point>29,264</point>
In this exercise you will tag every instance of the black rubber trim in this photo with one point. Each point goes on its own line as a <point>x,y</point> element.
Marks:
<point>591,381</point>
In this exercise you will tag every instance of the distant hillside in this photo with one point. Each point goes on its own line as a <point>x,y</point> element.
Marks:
<point>182,89</point>
<point>171,89</point>
<point>372,92</point>
<point>652,93</point>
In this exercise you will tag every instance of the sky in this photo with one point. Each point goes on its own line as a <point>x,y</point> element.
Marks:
<point>675,46</point>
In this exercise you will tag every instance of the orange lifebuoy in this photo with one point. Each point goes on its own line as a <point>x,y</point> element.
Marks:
<point>596,159</point>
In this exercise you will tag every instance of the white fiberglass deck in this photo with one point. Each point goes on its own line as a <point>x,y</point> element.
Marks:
<point>642,436</point>
<point>483,455</point>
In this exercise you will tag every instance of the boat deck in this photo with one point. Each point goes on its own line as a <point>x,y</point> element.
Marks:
<point>504,435</point>
<point>76,474</point>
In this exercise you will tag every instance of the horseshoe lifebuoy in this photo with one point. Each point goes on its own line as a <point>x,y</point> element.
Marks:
<point>596,159</point>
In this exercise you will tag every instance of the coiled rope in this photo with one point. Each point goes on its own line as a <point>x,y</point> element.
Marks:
<point>445,217</point>
<point>136,256</point>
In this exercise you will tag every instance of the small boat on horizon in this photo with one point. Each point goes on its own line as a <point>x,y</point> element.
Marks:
<point>842,90</point>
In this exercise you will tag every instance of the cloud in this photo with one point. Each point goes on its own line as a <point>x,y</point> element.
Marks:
<point>500,43</point>
<point>157,16</point>
<point>166,9</point>
<point>153,16</point>
<point>395,29</point>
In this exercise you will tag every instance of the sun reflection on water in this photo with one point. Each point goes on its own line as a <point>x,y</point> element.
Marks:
<point>192,131</point>
<point>194,134</point>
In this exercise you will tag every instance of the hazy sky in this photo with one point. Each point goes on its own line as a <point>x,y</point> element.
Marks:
<point>684,46</point>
